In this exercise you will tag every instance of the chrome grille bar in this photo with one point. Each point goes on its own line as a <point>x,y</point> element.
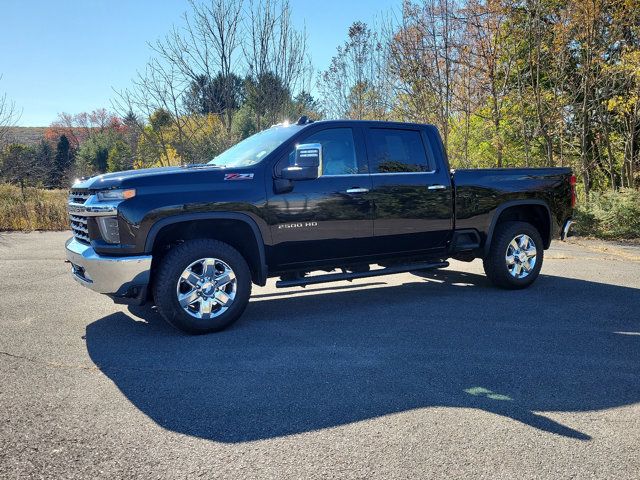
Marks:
<point>79,196</point>
<point>79,222</point>
<point>82,237</point>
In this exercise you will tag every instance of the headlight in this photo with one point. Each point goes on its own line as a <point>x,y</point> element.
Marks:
<point>108,195</point>
<point>109,229</point>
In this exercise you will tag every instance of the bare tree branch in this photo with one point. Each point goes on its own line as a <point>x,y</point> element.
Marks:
<point>9,117</point>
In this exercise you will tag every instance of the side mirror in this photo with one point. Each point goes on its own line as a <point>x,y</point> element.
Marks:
<point>308,163</point>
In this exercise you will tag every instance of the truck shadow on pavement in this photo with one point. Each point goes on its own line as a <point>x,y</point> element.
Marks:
<point>297,363</point>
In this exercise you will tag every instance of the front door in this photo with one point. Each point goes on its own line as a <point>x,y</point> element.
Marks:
<point>412,196</point>
<point>330,217</point>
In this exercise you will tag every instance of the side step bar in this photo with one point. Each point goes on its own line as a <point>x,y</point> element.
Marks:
<point>336,277</point>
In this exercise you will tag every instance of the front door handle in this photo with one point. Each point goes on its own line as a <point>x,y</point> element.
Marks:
<point>358,190</point>
<point>437,187</point>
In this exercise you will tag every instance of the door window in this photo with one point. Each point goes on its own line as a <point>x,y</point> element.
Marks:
<point>395,150</point>
<point>338,152</point>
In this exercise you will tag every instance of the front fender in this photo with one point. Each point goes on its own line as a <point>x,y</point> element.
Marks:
<point>155,229</point>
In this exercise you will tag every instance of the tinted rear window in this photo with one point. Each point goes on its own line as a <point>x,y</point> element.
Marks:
<point>395,150</point>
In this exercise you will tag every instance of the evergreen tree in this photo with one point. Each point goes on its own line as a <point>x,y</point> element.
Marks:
<point>268,98</point>
<point>94,151</point>
<point>62,162</point>
<point>45,160</point>
<point>119,157</point>
<point>218,95</point>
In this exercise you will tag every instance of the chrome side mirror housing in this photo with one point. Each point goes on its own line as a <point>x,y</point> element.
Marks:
<point>308,163</point>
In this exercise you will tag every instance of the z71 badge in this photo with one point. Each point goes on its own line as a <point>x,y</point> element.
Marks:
<point>238,176</point>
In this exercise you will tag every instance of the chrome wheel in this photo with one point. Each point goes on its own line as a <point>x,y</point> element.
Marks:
<point>206,288</point>
<point>521,256</point>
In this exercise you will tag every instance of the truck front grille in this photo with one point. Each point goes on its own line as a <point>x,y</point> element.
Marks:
<point>79,227</point>
<point>79,222</point>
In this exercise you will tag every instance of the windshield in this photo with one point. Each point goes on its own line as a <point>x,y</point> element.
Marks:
<point>253,149</point>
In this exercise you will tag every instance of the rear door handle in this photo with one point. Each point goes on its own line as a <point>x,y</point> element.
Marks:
<point>437,187</point>
<point>358,190</point>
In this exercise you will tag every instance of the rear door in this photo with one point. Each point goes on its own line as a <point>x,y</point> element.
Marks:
<point>411,190</point>
<point>330,217</point>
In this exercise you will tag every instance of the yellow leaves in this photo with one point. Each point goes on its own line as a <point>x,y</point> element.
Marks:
<point>365,103</point>
<point>160,156</point>
<point>204,127</point>
<point>171,157</point>
<point>139,163</point>
<point>628,68</point>
<point>630,64</point>
<point>186,139</point>
<point>622,104</point>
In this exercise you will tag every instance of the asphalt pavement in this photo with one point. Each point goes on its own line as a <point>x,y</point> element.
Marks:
<point>431,375</point>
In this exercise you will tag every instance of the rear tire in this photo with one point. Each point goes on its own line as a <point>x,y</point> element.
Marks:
<point>515,255</point>
<point>210,278</point>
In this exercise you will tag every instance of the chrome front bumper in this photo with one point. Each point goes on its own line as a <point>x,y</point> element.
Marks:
<point>115,276</point>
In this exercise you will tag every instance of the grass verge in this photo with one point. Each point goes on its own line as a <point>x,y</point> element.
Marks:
<point>38,209</point>
<point>610,215</point>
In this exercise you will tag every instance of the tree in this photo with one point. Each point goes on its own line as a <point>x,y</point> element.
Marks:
<point>306,104</point>
<point>155,138</point>
<point>243,124</point>
<point>44,159</point>
<point>489,33</point>
<point>9,116</point>
<point>205,48</point>
<point>94,152</point>
<point>507,82</point>
<point>62,162</point>
<point>119,157</point>
<point>424,60</point>
<point>82,126</point>
<point>621,105</point>
<point>221,95</point>
<point>274,47</point>
<point>539,68</point>
<point>354,84</point>
<point>198,68</point>
<point>160,143</point>
<point>131,132</point>
<point>267,98</point>
<point>211,139</point>
<point>18,165</point>
<point>625,106</point>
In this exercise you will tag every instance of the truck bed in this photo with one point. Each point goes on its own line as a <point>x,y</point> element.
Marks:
<point>481,193</point>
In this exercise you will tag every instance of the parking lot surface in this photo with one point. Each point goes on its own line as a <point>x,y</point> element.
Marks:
<point>426,375</point>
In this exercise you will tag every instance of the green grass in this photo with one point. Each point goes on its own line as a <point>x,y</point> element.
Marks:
<point>39,209</point>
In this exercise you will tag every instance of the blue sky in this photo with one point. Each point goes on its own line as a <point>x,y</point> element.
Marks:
<point>68,55</point>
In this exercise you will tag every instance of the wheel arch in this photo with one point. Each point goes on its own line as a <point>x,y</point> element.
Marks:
<point>236,229</point>
<point>535,212</point>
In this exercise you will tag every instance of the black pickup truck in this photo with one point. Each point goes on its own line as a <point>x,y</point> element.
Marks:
<point>343,199</point>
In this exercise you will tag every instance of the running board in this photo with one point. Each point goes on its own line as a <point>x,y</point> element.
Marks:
<point>337,277</point>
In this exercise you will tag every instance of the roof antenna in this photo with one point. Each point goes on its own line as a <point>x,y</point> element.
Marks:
<point>303,120</point>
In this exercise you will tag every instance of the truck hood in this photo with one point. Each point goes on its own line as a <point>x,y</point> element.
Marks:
<point>117,179</point>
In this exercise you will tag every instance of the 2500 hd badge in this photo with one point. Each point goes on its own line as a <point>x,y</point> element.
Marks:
<point>297,225</point>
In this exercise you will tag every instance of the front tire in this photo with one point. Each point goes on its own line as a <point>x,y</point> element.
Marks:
<point>202,286</point>
<point>515,255</point>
